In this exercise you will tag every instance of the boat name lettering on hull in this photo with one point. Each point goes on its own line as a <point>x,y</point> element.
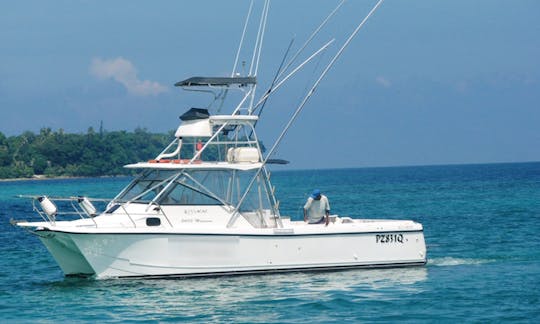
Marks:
<point>389,238</point>
<point>195,211</point>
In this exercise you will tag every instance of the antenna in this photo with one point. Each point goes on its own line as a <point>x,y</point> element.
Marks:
<point>260,32</point>
<point>242,39</point>
<point>258,49</point>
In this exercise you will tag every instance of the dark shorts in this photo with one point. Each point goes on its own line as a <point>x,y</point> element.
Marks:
<point>322,220</point>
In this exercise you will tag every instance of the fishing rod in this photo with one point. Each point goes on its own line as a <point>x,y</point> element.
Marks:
<point>272,84</point>
<point>278,73</point>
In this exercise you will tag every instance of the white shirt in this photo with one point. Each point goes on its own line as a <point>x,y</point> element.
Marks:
<point>316,209</point>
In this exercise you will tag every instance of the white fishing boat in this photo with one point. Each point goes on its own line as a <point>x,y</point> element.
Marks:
<point>206,206</point>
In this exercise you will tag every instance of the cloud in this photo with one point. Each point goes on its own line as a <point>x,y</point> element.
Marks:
<point>124,72</point>
<point>383,81</point>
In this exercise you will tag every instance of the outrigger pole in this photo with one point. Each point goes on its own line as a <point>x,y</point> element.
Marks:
<point>310,38</point>
<point>299,109</point>
<point>280,83</point>
<point>291,61</point>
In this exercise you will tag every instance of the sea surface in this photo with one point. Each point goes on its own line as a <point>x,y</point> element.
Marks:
<point>482,229</point>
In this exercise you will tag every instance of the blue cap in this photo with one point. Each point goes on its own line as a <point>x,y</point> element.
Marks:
<point>316,193</point>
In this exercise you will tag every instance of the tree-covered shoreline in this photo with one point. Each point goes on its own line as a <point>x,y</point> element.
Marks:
<point>59,154</point>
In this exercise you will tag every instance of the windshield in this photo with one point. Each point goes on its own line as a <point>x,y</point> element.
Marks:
<point>176,188</point>
<point>197,187</point>
<point>146,187</point>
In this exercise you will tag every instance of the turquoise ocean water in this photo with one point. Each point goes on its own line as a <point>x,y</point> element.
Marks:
<point>481,223</point>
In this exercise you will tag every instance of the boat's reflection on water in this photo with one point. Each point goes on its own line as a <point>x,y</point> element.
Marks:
<point>227,289</point>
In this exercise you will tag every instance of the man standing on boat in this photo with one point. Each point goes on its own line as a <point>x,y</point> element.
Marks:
<point>317,209</point>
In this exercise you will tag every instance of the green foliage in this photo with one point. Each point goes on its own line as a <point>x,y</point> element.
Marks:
<point>55,153</point>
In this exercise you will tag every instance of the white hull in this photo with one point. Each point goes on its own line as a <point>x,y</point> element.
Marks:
<point>112,255</point>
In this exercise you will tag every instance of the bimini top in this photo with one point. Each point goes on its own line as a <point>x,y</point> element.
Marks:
<point>216,81</point>
<point>183,164</point>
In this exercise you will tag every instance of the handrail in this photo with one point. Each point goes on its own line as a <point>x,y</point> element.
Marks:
<point>128,215</point>
<point>79,211</point>
<point>70,198</point>
<point>159,209</point>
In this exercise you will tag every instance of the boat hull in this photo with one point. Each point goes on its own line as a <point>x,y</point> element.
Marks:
<point>116,255</point>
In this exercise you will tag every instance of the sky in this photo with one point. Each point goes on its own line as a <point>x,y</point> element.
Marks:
<point>424,82</point>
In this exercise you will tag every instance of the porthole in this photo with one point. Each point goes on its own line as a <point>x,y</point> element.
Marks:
<point>153,221</point>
